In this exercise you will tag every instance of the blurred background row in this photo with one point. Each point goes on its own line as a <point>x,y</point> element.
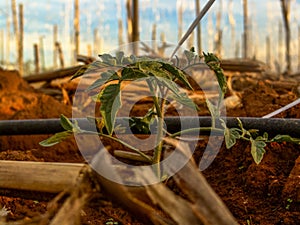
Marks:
<point>38,36</point>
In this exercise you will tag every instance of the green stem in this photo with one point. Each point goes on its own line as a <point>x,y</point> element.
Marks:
<point>149,159</point>
<point>159,110</point>
<point>213,120</point>
<point>186,131</point>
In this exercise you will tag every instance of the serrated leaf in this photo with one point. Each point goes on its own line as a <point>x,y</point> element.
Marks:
<point>231,135</point>
<point>177,73</point>
<point>66,123</point>
<point>243,130</point>
<point>153,68</point>
<point>127,61</point>
<point>143,124</point>
<point>132,74</point>
<point>212,109</point>
<point>120,57</point>
<point>184,99</point>
<point>110,98</point>
<point>108,59</point>
<point>96,97</point>
<point>56,138</point>
<point>105,77</point>
<point>90,68</point>
<point>171,85</point>
<point>190,56</point>
<point>287,138</point>
<point>80,72</point>
<point>214,63</point>
<point>257,150</point>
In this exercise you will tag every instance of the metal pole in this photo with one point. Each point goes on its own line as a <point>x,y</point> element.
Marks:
<point>192,26</point>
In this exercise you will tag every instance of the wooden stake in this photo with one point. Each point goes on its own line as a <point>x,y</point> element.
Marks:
<point>51,75</point>
<point>198,35</point>
<point>120,32</point>
<point>76,27</point>
<point>60,54</point>
<point>2,46</point>
<point>237,49</point>
<point>15,23</point>
<point>232,25</point>
<point>36,58</point>
<point>89,49</point>
<point>21,35</point>
<point>218,36</point>
<point>38,176</point>
<point>96,42</point>
<point>180,12</point>
<point>54,46</point>
<point>129,20</point>
<point>135,26</point>
<point>280,44</point>
<point>7,44</point>
<point>42,52</point>
<point>268,51</point>
<point>246,29</point>
<point>298,47</point>
<point>153,37</point>
<point>285,7</point>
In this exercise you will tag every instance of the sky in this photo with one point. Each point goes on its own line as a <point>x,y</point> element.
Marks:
<point>103,15</point>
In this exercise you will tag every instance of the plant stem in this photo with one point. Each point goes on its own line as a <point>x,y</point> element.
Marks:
<point>221,131</point>
<point>149,159</point>
<point>160,115</point>
<point>213,121</point>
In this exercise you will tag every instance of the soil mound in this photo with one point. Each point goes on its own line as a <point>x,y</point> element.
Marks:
<point>18,100</point>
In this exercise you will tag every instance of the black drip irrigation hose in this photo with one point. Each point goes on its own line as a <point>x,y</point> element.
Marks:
<point>272,126</point>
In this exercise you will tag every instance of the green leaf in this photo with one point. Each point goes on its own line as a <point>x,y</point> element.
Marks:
<point>90,68</point>
<point>153,68</point>
<point>214,63</point>
<point>177,73</point>
<point>171,85</point>
<point>66,123</point>
<point>56,138</point>
<point>190,56</point>
<point>110,98</point>
<point>244,131</point>
<point>287,138</point>
<point>107,76</point>
<point>212,109</point>
<point>231,135</point>
<point>143,124</point>
<point>132,74</point>
<point>79,72</point>
<point>257,149</point>
<point>108,59</point>
<point>120,57</point>
<point>184,99</point>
